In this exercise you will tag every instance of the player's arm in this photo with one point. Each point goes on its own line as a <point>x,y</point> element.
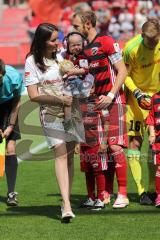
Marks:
<point>13,117</point>
<point>121,70</point>
<point>150,121</point>
<point>128,57</point>
<point>130,84</point>
<point>113,52</point>
<point>18,87</point>
<point>143,99</point>
<point>121,75</point>
<point>152,135</point>
<point>15,110</point>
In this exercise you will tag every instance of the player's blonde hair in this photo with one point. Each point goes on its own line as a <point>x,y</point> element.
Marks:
<point>151,28</point>
<point>86,16</point>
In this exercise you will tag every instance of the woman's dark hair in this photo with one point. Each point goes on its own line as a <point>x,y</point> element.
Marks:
<point>42,35</point>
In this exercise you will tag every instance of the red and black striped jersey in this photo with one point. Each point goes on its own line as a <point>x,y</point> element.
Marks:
<point>98,52</point>
<point>154,117</point>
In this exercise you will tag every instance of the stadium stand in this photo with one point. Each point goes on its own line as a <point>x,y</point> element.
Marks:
<point>14,40</point>
<point>121,19</point>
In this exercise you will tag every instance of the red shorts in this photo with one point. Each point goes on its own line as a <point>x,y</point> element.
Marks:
<point>156,153</point>
<point>116,125</point>
<point>92,160</point>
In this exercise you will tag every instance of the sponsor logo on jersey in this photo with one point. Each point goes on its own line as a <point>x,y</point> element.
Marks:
<point>150,64</point>
<point>27,75</point>
<point>83,63</point>
<point>50,82</point>
<point>94,50</point>
<point>94,65</point>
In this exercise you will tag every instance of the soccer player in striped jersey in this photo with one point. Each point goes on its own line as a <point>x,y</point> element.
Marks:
<point>153,120</point>
<point>142,58</point>
<point>104,56</point>
<point>93,154</point>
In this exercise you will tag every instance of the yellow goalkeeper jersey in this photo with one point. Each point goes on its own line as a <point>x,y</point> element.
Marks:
<point>143,66</point>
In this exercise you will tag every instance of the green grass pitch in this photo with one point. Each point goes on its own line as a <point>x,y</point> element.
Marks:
<point>37,216</point>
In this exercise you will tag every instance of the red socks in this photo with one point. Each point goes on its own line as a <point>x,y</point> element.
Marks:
<point>90,183</point>
<point>100,182</point>
<point>121,171</point>
<point>99,179</point>
<point>104,181</point>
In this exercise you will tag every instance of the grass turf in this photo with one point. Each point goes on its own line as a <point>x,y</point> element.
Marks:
<point>38,213</point>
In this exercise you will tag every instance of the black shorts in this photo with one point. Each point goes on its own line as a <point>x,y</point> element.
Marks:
<point>5,110</point>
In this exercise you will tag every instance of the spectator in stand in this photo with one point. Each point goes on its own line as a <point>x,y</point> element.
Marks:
<point>33,22</point>
<point>114,28</point>
<point>15,3</point>
<point>140,19</point>
<point>154,12</point>
<point>103,17</point>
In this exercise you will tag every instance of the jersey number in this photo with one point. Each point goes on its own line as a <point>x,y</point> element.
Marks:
<point>135,126</point>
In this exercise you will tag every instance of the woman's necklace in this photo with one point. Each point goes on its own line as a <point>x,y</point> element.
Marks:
<point>49,62</point>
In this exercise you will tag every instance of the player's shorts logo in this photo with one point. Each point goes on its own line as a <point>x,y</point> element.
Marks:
<point>95,165</point>
<point>112,139</point>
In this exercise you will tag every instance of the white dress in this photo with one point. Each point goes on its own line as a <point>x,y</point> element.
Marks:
<point>52,117</point>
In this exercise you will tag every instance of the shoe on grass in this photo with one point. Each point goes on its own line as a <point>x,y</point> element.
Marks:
<point>88,203</point>
<point>121,201</point>
<point>98,205</point>
<point>12,199</point>
<point>152,196</point>
<point>144,199</point>
<point>157,201</point>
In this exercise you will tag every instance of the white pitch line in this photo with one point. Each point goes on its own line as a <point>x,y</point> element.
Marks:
<point>28,155</point>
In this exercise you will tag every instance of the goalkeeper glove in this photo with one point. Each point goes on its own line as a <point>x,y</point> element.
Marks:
<point>143,99</point>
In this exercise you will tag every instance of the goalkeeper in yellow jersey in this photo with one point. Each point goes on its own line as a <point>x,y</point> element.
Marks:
<point>142,58</point>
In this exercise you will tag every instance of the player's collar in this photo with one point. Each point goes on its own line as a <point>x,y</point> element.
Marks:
<point>89,43</point>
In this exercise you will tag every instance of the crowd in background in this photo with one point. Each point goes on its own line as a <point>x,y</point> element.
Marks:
<point>120,19</point>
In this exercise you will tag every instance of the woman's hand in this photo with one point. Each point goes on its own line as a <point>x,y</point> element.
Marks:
<point>75,71</point>
<point>67,100</point>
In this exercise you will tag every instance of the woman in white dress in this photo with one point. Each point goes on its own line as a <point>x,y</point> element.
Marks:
<point>45,86</point>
